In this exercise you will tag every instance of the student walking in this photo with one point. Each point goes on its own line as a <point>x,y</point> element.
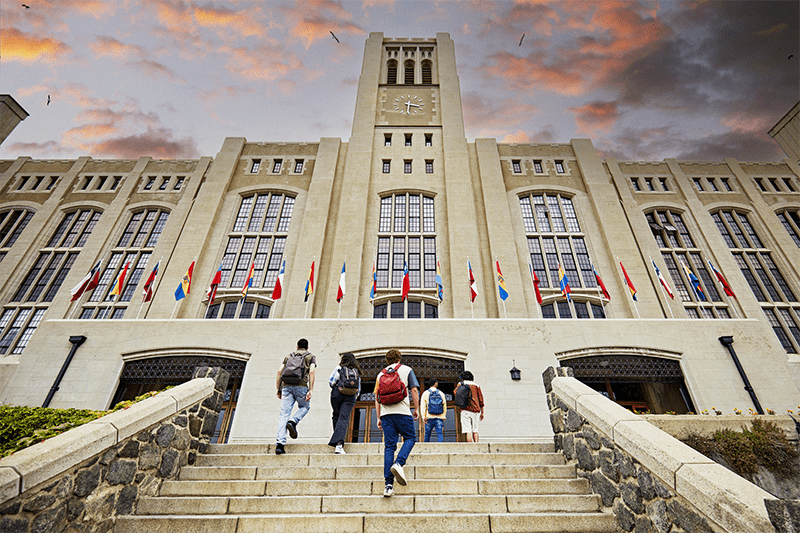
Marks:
<point>395,418</point>
<point>295,381</point>
<point>469,398</point>
<point>433,410</point>
<point>345,382</point>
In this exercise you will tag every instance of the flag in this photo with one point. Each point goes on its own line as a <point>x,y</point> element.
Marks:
<point>88,282</point>
<point>439,285</point>
<point>628,282</point>
<point>147,293</point>
<point>116,289</point>
<point>601,284</point>
<point>536,282</point>
<point>564,282</point>
<point>374,289</point>
<point>406,281</point>
<point>185,285</point>
<point>340,293</point>
<point>722,280</point>
<point>501,283</point>
<point>663,281</point>
<point>698,290</point>
<point>249,281</point>
<point>473,287</point>
<point>310,283</point>
<point>277,290</point>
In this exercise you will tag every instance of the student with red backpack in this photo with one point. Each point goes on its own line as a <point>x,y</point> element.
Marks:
<point>395,417</point>
<point>345,382</point>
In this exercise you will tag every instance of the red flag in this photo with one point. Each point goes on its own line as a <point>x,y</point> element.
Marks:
<point>628,282</point>
<point>148,286</point>
<point>89,282</point>
<point>116,290</point>
<point>406,281</point>
<point>723,281</point>
<point>601,284</point>
<point>473,287</point>
<point>536,282</point>
<point>212,289</point>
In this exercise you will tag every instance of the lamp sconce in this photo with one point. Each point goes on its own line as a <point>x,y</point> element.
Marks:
<point>515,372</point>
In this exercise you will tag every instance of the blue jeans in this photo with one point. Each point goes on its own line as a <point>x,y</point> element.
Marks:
<point>437,423</point>
<point>393,427</point>
<point>290,395</point>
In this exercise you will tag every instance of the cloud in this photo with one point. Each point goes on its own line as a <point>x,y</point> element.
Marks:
<point>595,116</point>
<point>19,46</point>
<point>743,146</point>
<point>312,20</point>
<point>155,69</point>
<point>485,113</point>
<point>525,74</point>
<point>104,46</point>
<point>243,23</point>
<point>518,137</point>
<point>158,143</point>
<point>45,149</point>
<point>264,62</point>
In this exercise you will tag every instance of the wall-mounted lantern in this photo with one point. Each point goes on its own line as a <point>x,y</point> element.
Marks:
<point>515,372</point>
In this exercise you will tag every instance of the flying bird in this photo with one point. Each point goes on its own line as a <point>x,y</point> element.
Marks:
<point>791,56</point>
<point>48,99</point>
<point>520,39</point>
<point>334,37</point>
<point>26,6</point>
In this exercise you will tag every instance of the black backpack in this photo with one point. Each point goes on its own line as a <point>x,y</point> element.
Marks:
<point>348,380</point>
<point>463,396</point>
<point>295,368</point>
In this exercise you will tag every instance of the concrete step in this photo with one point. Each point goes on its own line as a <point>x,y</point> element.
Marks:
<point>377,448</point>
<point>366,504</point>
<point>208,473</point>
<point>374,486</point>
<point>416,459</point>
<point>373,523</point>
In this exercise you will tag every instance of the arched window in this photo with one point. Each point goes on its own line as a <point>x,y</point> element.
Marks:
<point>408,74</point>
<point>769,286</point>
<point>391,72</point>
<point>12,224</point>
<point>678,249</point>
<point>21,317</point>
<point>133,250</point>
<point>427,68</point>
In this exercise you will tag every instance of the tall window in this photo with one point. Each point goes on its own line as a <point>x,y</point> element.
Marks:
<point>408,309</point>
<point>134,248</point>
<point>406,233</point>
<point>31,299</point>
<point>769,286</point>
<point>408,78</point>
<point>427,69</point>
<point>258,237</point>
<point>678,248</point>
<point>555,237</point>
<point>789,218</point>
<point>391,72</point>
<point>12,224</point>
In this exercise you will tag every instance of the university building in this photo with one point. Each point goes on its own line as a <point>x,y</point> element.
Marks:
<point>405,191</point>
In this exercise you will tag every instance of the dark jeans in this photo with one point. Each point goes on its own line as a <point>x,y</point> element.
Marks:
<point>342,405</point>
<point>436,423</point>
<point>393,427</point>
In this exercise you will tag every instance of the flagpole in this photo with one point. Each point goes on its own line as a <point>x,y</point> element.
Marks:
<point>663,291</point>
<point>173,309</point>
<point>72,311</point>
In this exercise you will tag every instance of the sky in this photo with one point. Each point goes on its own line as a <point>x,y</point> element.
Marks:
<point>645,80</point>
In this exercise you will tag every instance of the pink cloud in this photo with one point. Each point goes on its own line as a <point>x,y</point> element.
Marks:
<point>313,20</point>
<point>484,113</point>
<point>105,46</point>
<point>520,137</point>
<point>154,69</point>
<point>528,73</point>
<point>595,116</point>
<point>25,47</point>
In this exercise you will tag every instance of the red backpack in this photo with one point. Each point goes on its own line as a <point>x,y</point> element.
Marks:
<point>391,388</point>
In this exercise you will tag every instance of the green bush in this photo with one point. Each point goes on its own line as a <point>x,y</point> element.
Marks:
<point>21,426</point>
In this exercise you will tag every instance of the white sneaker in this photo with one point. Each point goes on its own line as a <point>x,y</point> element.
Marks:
<point>388,491</point>
<point>399,475</point>
<point>340,450</point>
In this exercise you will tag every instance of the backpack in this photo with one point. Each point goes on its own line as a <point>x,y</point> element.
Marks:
<point>435,403</point>
<point>463,396</point>
<point>294,370</point>
<point>391,388</point>
<point>348,380</point>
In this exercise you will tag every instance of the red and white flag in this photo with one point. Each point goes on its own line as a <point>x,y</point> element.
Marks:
<point>88,282</point>
<point>473,287</point>
<point>341,291</point>
<point>147,293</point>
<point>277,290</point>
<point>536,282</point>
<point>663,281</point>
<point>212,289</point>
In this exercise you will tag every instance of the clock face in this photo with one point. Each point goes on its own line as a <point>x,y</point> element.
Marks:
<point>409,105</point>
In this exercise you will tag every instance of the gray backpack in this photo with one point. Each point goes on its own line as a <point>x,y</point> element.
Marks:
<point>295,369</point>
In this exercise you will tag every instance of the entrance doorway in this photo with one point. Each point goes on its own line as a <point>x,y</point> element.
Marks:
<point>155,373</point>
<point>364,421</point>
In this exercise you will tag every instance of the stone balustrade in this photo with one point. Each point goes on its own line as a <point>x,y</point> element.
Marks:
<point>81,480</point>
<point>647,478</point>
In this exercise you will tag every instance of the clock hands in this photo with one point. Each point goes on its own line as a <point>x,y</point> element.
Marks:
<point>408,106</point>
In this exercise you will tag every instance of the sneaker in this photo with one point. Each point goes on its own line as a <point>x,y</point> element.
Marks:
<point>399,475</point>
<point>291,427</point>
<point>279,449</point>
<point>388,491</point>
<point>340,450</point>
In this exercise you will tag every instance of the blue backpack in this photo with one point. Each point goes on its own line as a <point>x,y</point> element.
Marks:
<point>435,402</point>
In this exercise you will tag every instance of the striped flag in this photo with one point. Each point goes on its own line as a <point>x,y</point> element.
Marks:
<point>341,291</point>
<point>698,289</point>
<point>310,283</point>
<point>89,282</point>
<point>440,287</point>
<point>249,282</point>
<point>722,280</point>
<point>663,281</point>
<point>116,290</point>
<point>601,284</point>
<point>406,281</point>
<point>536,282</point>
<point>628,282</point>
<point>473,287</point>
<point>501,283</point>
<point>148,286</point>
<point>185,285</point>
<point>277,290</point>
<point>374,288</point>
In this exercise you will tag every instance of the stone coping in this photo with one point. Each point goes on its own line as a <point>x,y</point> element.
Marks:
<point>725,498</point>
<point>34,465</point>
<point>705,425</point>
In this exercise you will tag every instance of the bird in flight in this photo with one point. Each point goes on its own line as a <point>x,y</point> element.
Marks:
<point>334,37</point>
<point>791,56</point>
<point>520,39</point>
<point>26,6</point>
<point>48,99</point>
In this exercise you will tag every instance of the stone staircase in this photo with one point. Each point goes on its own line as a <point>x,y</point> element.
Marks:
<point>454,487</point>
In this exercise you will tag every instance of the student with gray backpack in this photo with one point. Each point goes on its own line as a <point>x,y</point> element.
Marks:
<point>434,410</point>
<point>295,381</point>
<point>345,382</point>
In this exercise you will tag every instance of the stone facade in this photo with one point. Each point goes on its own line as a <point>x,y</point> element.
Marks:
<point>89,496</point>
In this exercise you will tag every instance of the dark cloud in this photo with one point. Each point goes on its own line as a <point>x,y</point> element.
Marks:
<point>157,143</point>
<point>37,149</point>
<point>739,145</point>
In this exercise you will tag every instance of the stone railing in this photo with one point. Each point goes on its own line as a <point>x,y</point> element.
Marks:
<point>89,475</point>
<point>647,478</point>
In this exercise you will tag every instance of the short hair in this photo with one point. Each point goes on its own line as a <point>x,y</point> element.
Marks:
<point>466,375</point>
<point>431,382</point>
<point>302,344</point>
<point>393,356</point>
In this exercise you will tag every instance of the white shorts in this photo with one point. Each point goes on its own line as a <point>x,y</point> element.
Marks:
<point>469,421</point>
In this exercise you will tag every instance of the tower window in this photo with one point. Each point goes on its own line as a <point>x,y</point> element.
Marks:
<point>664,184</point>
<point>560,167</point>
<point>298,166</point>
<point>387,139</point>
<point>698,184</point>
<point>276,167</point>
<point>635,184</point>
<point>537,166</point>
<point>760,183</point>
<point>179,183</point>
<point>429,166</point>
<point>150,181</point>
<point>409,72</point>
<point>429,139</point>
<point>516,167</point>
<point>164,183</point>
<point>427,68</point>
<point>407,166</point>
<point>391,72</point>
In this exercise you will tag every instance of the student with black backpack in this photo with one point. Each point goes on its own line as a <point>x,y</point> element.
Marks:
<point>295,382</point>
<point>345,382</point>
<point>469,397</point>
